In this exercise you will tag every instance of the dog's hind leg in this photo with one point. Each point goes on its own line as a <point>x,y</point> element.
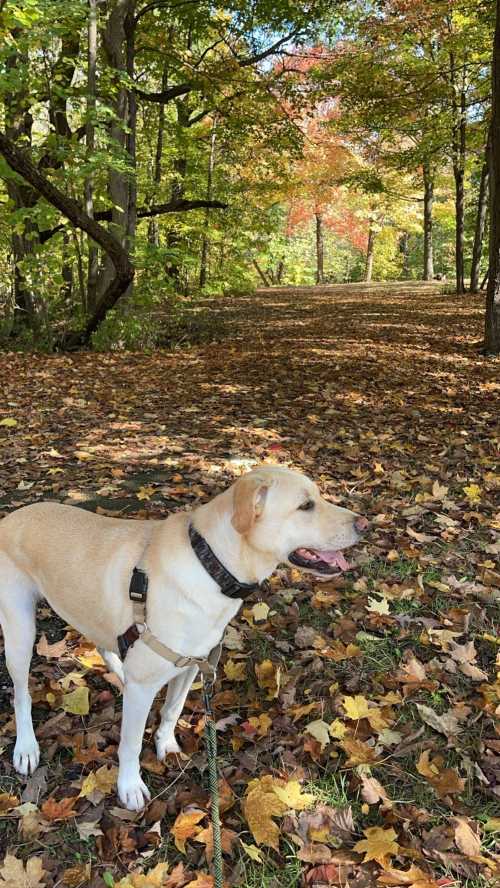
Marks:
<point>18,598</point>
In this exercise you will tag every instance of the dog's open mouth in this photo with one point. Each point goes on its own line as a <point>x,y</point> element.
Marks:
<point>319,561</point>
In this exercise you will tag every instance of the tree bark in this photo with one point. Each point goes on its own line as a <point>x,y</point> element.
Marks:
<point>261,274</point>
<point>22,164</point>
<point>153,230</point>
<point>370,255</point>
<point>404,246</point>
<point>205,244</point>
<point>482,211</point>
<point>492,317</point>
<point>428,274</point>
<point>459,153</point>
<point>93,253</point>
<point>320,249</point>
<point>115,47</point>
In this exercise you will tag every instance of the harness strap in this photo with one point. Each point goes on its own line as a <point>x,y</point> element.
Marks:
<point>138,592</point>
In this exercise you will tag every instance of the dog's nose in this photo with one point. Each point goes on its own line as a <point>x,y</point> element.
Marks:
<point>361,524</point>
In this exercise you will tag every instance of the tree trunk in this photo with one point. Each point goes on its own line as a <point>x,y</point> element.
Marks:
<point>261,274</point>
<point>18,128</point>
<point>482,211</point>
<point>370,255</point>
<point>492,318</point>
<point>93,253</point>
<point>205,240</point>
<point>320,249</point>
<point>459,154</point>
<point>428,274</point>
<point>21,163</point>
<point>115,47</point>
<point>172,267</point>
<point>153,229</point>
<point>404,246</point>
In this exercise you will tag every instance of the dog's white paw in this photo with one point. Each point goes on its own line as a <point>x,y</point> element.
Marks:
<point>26,756</point>
<point>165,745</point>
<point>133,793</point>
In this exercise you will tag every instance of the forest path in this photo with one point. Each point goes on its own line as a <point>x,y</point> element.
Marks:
<point>380,394</point>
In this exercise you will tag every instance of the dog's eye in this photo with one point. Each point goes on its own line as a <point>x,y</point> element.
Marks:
<point>307,506</point>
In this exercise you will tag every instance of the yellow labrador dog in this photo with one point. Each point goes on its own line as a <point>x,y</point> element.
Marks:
<point>191,571</point>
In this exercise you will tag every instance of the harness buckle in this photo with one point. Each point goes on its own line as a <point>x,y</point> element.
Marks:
<point>184,661</point>
<point>138,589</point>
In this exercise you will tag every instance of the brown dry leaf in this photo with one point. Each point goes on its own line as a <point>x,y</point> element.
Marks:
<point>373,791</point>
<point>269,678</point>
<point>7,802</point>
<point>298,712</point>
<point>378,845</point>
<point>260,805</point>
<point>206,837</point>
<point>415,877</point>
<point>260,723</point>
<point>76,875</point>
<point>446,723</point>
<point>14,874</point>
<point>445,781</point>
<point>466,840</point>
<point>62,810</point>
<point>186,827</point>
<point>44,649</point>
<point>202,881</point>
<point>358,751</point>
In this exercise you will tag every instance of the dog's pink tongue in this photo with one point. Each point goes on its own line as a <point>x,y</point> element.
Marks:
<point>332,556</point>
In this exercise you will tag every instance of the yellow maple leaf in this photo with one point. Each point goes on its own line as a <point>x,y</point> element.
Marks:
<point>186,826</point>
<point>152,879</point>
<point>253,852</point>
<point>260,805</point>
<point>261,723</point>
<point>472,492</point>
<point>235,671</point>
<point>8,422</point>
<point>378,845</point>
<point>104,780</point>
<point>145,493</point>
<point>260,611</point>
<point>356,707</point>
<point>337,729</point>
<point>292,796</point>
<point>76,702</point>
<point>268,678</point>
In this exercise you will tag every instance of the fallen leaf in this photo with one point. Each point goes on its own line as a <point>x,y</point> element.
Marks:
<point>76,702</point>
<point>61,810</point>
<point>186,827</point>
<point>268,678</point>
<point>15,874</point>
<point>44,649</point>
<point>466,840</point>
<point>446,723</point>
<point>260,805</point>
<point>292,796</point>
<point>378,845</point>
<point>235,671</point>
<point>319,729</point>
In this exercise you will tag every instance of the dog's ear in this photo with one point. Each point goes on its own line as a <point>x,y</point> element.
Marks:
<point>249,499</point>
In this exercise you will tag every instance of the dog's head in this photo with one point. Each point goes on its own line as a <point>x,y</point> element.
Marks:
<point>282,514</point>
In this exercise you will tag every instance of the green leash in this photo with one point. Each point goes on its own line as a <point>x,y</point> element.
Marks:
<point>211,743</point>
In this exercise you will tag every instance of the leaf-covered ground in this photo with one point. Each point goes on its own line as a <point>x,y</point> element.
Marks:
<point>356,719</point>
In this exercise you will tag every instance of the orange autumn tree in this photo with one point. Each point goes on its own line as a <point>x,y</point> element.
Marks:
<point>316,189</point>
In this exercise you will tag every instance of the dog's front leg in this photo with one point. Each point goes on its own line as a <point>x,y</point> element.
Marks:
<point>137,700</point>
<point>177,691</point>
